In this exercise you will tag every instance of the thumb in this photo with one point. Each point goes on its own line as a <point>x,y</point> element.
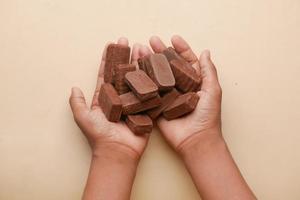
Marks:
<point>78,103</point>
<point>208,73</point>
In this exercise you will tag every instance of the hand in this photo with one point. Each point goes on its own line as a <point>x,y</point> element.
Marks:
<point>206,118</point>
<point>197,136</point>
<point>98,130</point>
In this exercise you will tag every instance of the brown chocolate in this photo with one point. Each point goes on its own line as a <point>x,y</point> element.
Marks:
<point>115,54</point>
<point>131,104</point>
<point>119,77</point>
<point>166,100</point>
<point>110,102</point>
<point>182,105</point>
<point>141,84</point>
<point>139,124</point>
<point>159,70</point>
<point>185,75</point>
<point>142,63</point>
<point>171,54</point>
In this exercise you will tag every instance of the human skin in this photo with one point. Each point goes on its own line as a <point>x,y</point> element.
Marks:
<point>116,151</point>
<point>197,137</point>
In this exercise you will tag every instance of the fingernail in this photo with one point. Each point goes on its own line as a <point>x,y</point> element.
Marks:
<point>155,38</point>
<point>75,89</point>
<point>123,41</point>
<point>176,37</point>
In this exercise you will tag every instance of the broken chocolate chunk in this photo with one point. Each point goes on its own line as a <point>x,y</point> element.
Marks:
<point>131,104</point>
<point>139,124</point>
<point>158,69</point>
<point>115,54</point>
<point>141,84</point>
<point>185,75</point>
<point>166,100</point>
<point>182,105</point>
<point>110,102</point>
<point>171,54</point>
<point>119,77</point>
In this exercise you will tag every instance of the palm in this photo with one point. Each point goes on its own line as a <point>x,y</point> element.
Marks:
<point>205,116</point>
<point>207,113</point>
<point>100,129</point>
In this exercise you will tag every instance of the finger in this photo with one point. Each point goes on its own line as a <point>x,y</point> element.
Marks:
<point>95,102</point>
<point>184,49</point>
<point>78,103</point>
<point>162,123</point>
<point>156,44</point>
<point>100,77</point>
<point>144,51</point>
<point>135,54</point>
<point>102,63</point>
<point>123,41</point>
<point>209,73</point>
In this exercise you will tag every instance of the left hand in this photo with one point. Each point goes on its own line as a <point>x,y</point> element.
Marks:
<point>205,120</point>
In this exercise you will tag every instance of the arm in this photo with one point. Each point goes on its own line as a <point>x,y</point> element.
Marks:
<point>115,149</point>
<point>197,137</point>
<point>212,168</point>
<point>112,173</point>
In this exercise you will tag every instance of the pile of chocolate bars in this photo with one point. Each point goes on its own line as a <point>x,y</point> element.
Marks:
<point>165,84</point>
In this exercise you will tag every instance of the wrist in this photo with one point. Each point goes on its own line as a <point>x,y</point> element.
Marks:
<point>115,153</point>
<point>212,168</point>
<point>201,143</point>
<point>112,171</point>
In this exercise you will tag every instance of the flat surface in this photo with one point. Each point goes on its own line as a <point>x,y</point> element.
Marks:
<point>46,47</point>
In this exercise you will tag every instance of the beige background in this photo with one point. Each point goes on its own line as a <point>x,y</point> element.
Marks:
<point>47,46</point>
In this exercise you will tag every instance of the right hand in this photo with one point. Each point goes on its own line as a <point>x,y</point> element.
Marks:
<point>101,133</point>
<point>205,121</point>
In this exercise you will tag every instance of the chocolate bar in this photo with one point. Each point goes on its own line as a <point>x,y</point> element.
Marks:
<point>158,69</point>
<point>182,105</point>
<point>119,77</point>
<point>142,63</point>
<point>139,124</point>
<point>166,100</point>
<point>115,54</point>
<point>159,74</point>
<point>142,86</point>
<point>171,54</point>
<point>131,104</point>
<point>185,75</point>
<point>110,102</point>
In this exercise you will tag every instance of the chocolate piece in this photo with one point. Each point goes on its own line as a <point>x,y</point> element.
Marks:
<point>159,70</point>
<point>182,105</point>
<point>131,104</point>
<point>171,54</point>
<point>110,102</point>
<point>115,54</point>
<point>142,86</point>
<point>142,63</point>
<point>185,75</point>
<point>139,124</point>
<point>119,77</point>
<point>166,100</point>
